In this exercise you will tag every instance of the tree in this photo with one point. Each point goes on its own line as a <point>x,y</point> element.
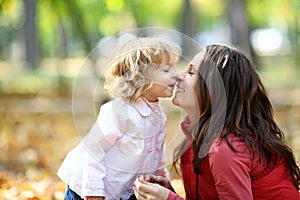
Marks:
<point>78,23</point>
<point>30,33</point>
<point>188,19</point>
<point>188,26</point>
<point>239,25</point>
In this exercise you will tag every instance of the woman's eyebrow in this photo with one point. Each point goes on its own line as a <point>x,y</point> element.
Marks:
<point>192,66</point>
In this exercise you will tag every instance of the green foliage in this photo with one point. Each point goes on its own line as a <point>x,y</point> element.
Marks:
<point>210,12</point>
<point>79,24</point>
<point>271,12</point>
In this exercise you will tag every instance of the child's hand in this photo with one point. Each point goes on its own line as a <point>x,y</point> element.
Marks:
<point>94,198</point>
<point>159,180</point>
<point>146,190</point>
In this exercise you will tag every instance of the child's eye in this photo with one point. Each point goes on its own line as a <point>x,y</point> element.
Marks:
<point>166,70</point>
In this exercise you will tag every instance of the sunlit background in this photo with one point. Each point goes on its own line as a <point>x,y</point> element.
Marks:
<point>44,43</point>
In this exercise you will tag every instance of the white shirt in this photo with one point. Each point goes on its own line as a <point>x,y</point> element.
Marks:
<point>126,141</point>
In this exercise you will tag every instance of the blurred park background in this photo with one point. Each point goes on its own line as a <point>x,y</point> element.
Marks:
<point>43,44</point>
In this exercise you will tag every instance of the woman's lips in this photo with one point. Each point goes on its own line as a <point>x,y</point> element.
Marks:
<point>179,89</point>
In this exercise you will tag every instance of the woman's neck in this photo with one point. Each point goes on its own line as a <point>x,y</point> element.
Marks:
<point>193,116</point>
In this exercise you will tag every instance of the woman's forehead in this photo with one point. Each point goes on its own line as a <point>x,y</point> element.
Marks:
<point>197,59</point>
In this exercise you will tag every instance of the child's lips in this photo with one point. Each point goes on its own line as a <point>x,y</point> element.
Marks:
<point>172,86</point>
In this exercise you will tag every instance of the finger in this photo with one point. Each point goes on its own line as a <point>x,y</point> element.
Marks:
<point>144,187</point>
<point>148,177</point>
<point>140,195</point>
<point>137,194</point>
<point>141,178</point>
<point>156,179</point>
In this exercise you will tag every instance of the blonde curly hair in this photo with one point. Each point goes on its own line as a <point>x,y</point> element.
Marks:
<point>125,77</point>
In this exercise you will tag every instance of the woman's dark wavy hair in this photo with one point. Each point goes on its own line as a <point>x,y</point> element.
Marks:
<point>247,112</point>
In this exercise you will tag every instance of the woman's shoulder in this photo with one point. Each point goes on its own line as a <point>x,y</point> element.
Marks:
<point>228,144</point>
<point>230,151</point>
<point>229,164</point>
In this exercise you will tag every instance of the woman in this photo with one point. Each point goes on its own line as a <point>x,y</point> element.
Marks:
<point>233,147</point>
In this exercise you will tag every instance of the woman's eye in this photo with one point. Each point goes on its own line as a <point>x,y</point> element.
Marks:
<point>191,72</point>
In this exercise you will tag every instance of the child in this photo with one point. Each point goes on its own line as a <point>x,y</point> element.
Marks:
<point>127,139</point>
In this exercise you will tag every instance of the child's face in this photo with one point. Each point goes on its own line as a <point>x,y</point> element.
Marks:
<point>163,79</point>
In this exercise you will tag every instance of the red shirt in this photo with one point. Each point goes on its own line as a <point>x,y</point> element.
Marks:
<point>233,175</point>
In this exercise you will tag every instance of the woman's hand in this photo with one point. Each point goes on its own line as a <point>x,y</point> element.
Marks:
<point>146,190</point>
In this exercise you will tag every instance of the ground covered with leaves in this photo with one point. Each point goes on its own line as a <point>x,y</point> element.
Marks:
<point>35,133</point>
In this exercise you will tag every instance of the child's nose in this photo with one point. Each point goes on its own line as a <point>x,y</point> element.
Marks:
<point>174,75</point>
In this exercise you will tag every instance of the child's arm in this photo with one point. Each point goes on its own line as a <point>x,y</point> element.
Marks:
<point>101,137</point>
<point>162,169</point>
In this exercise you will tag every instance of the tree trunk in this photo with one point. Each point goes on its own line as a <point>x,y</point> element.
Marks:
<point>187,21</point>
<point>78,23</point>
<point>62,50</point>
<point>239,26</point>
<point>30,34</point>
<point>188,27</point>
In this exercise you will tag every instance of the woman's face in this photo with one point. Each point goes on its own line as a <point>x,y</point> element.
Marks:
<point>185,96</point>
